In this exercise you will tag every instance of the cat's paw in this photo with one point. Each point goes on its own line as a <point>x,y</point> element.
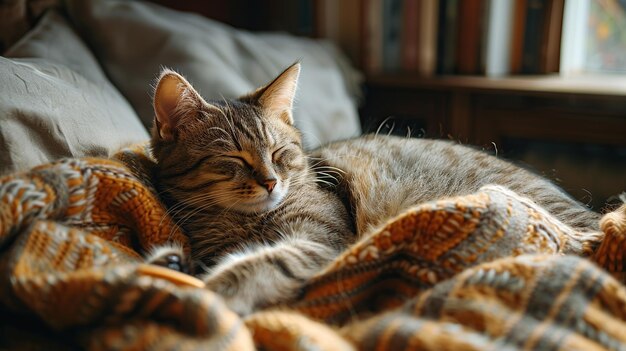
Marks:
<point>170,256</point>
<point>247,285</point>
<point>237,301</point>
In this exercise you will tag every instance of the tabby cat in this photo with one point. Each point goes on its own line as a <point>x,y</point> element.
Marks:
<point>263,216</point>
<point>239,183</point>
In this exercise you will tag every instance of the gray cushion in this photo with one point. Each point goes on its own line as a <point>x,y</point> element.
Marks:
<point>133,40</point>
<point>55,101</point>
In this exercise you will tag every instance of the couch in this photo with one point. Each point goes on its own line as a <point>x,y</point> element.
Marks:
<point>491,270</point>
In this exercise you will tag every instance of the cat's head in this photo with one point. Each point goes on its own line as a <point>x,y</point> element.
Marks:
<point>241,154</point>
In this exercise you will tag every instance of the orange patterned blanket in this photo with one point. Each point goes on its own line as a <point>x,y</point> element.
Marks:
<point>487,271</point>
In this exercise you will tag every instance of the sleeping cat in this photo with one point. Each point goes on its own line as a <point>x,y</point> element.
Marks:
<point>263,217</point>
<point>239,184</point>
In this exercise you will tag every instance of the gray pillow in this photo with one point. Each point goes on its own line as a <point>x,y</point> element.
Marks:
<point>55,101</point>
<point>133,40</point>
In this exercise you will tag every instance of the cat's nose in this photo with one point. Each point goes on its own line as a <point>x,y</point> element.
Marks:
<point>269,184</point>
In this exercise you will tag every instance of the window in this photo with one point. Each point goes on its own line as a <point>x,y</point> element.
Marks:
<point>594,37</point>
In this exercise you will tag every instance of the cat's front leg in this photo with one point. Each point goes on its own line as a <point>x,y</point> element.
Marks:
<point>267,275</point>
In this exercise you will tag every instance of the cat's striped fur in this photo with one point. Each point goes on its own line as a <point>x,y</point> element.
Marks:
<point>241,187</point>
<point>258,219</point>
<point>384,175</point>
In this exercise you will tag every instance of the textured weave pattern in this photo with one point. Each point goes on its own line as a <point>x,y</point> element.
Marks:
<point>490,270</point>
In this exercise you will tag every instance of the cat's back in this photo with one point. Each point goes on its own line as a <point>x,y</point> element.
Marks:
<point>385,175</point>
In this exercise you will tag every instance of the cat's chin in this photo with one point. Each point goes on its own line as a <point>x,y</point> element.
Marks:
<point>265,205</point>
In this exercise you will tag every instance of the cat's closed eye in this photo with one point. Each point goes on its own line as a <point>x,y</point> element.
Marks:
<point>285,154</point>
<point>240,160</point>
<point>278,153</point>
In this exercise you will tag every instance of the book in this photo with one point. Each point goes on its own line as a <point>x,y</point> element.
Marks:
<point>551,43</point>
<point>335,20</point>
<point>392,27</point>
<point>498,37</point>
<point>349,37</point>
<point>372,39</point>
<point>447,36</point>
<point>535,18</point>
<point>427,50</point>
<point>410,35</point>
<point>469,36</point>
<point>482,48</point>
<point>517,41</point>
<point>574,37</point>
<point>326,22</point>
<point>305,18</point>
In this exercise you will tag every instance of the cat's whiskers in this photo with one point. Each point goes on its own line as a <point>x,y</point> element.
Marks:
<point>328,159</point>
<point>164,189</point>
<point>197,263</point>
<point>207,200</point>
<point>335,169</point>
<point>187,206</point>
<point>334,173</point>
<point>298,180</point>
<point>174,210</point>
<point>228,116</point>
<point>324,182</point>
<point>180,205</point>
<point>226,209</point>
<point>303,180</point>
<point>337,178</point>
<point>208,242</point>
<point>229,120</point>
<point>328,176</point>
<point>311,135</point>
<point>319,164</point>
<point>329,171</point>
<point>225,141</point>
<point>381,125</point>
<point>219,129</point>
<point>180,222</point>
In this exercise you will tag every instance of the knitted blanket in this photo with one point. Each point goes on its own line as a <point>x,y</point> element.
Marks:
<point>491,270</point>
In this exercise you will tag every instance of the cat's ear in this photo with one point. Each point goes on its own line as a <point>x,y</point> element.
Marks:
<point>276,98</point>
<point>174,98</point>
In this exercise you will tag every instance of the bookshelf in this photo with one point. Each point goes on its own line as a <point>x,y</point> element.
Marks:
<point>486,73</point>
<point>457,106</point>
<point>602,85</point>
<point>428,37</point>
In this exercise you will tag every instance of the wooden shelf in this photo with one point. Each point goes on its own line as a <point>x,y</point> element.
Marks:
<point>607,86</point>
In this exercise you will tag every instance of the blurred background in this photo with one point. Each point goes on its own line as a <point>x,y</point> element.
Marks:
<point>537,81</point>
